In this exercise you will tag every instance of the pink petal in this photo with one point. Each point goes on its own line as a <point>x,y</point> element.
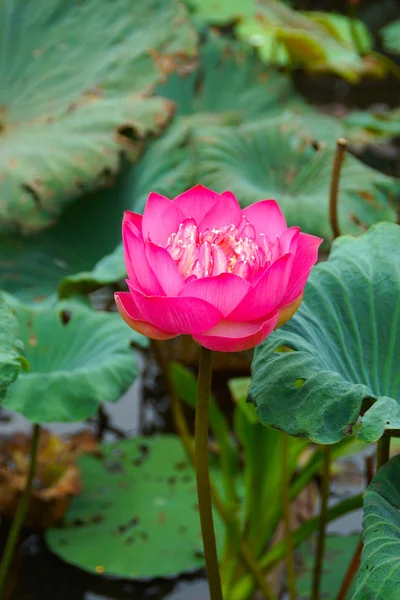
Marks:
<point>288,240</point>
<point>234,337</point>
<point>267,218</point>
<point>197,202</point>
<point>305,258</point>
<point>161,217</point>
<point>133,221</point>
<point>178,314</point>
<point>137,266</point>
<point>224,291</point>
<point>130,314</point>
<point>164,268</point>
<point>266,294</point>
<point>225,212</point>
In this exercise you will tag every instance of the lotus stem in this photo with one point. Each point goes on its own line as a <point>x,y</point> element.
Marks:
<point>382,451</point>
<point>351,572</point>
<point>290,564</point>
<point>202,473</point>
<point>320,548</point>
<point>20,515</point>
<point>230,520</point>
<point>356,558</point>
<point>341,147</point>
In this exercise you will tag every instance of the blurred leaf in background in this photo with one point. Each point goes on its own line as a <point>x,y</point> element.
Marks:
<point>76,91</point>
<point>315,41</point>
<point>11,347</point>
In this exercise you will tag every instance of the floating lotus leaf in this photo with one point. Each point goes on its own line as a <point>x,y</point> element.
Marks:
<point>345,346</point>
<point>137,517</point>
<point>295,173</point>
<point>78,359</point>
<point>11,347</point>
<point>76,90</point>
<point>379,573</point>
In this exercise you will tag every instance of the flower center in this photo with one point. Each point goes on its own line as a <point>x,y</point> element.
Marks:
<point>229,249</point>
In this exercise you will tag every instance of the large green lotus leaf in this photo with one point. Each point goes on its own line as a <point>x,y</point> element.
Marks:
<point>137,517</point>
<point>345,339</point>
<point>391,37</point>
<point>70,255</point>
<point>274,158</point>
<point>11,347</point>
<point>246,88</point>
<point>83,251</point>
<point>78,359</point>
<point>76,77</point>
<point>379,573</point>
<point>339,550</point>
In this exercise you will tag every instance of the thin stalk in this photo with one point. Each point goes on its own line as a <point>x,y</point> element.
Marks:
<point>382,451</point>
<point>202,473</point>
<point>341,147</point>
<point>290,564</point>
<point>230,520</point>
<point>20,515</point>
<point>356,558</point>
<point>320,549</point>
<point>350,573</point>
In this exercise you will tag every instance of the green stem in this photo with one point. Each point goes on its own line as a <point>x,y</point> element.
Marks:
<point>229,519</point>
<point>319,554</point>
<point>20,515</point>
<point>202,473</point>
<point>382,452</point>
<point>290,564</point>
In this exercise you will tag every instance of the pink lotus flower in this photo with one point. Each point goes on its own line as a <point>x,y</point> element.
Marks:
<point>200,265</point>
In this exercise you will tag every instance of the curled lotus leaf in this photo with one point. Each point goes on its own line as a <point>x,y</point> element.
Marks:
<point>344,345</point>
<point>78,359</point>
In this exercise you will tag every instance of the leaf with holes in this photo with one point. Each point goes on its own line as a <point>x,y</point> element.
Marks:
<point>379,573</point>
<point>295,173</point>
<point>345,342</point>
<point>78,358</point>
<point>68,109</point>
<point>11,347</point>
<point>137,517</point>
